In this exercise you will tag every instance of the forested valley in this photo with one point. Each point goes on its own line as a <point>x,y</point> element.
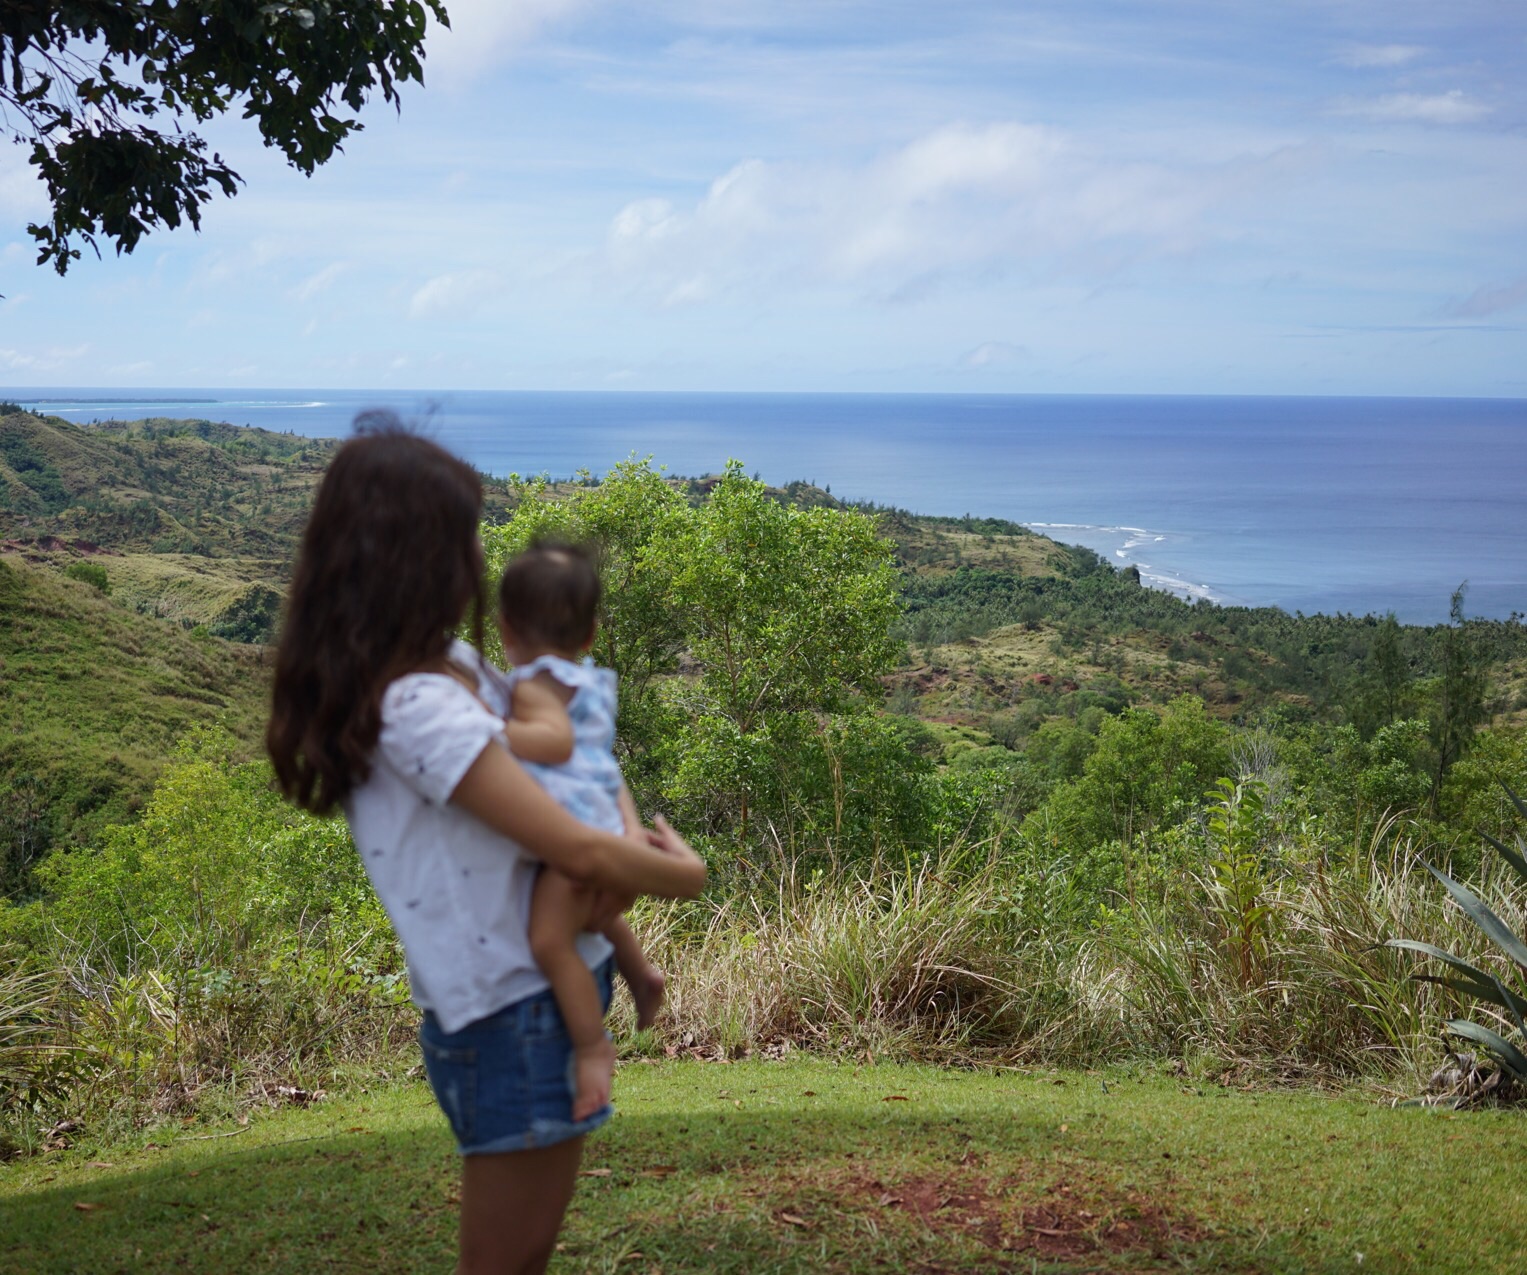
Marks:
<point>966,794</point>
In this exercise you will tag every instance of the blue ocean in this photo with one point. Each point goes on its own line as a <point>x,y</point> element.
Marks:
<point>1311,504</point>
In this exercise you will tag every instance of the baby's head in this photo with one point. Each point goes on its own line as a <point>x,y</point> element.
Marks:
<point>548,602</point>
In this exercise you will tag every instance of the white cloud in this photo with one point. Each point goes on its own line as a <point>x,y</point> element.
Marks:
<point>485,33</point>
<point>42,360</point>
<point>322,281</point>
<point>1451,107</point>
<point>22,193</point>
<point>1486,301</point>
<point>975,202</point>
<point>1380,55</point>
<point>453,295</point>
<point>992,354</point>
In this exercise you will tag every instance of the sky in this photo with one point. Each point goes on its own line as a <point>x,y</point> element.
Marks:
<point>1085,196</point>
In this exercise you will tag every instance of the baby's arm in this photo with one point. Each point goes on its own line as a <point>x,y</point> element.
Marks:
<point>539,728</point>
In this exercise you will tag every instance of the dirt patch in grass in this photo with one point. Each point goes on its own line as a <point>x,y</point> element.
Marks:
<point>1067,1220</point>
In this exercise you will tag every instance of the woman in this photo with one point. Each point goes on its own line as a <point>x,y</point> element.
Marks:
<point>378,710</point>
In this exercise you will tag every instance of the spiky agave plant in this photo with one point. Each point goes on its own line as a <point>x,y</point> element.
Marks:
<point>1507,1047</point>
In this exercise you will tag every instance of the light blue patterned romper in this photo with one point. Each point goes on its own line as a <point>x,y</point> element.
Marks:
<point>587,785</point>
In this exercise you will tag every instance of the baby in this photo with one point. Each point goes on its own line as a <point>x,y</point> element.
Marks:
<point>562,724</point>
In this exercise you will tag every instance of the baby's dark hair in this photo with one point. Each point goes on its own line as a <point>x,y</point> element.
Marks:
<point>550,594</point>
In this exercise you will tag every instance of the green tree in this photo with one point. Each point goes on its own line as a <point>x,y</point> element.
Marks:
<point>1384,693</point>
<point>1461,686</point>
<point>1474,795</point>
<point>25,829</point>
<point>630,516</point>
<point>1148,771</point>
<point>749,636</point>
<point>786,609</point>
<point>216,864</point>
<point>787,612</point>
<point>99,91</point>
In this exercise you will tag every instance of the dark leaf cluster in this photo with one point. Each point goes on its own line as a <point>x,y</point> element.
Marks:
<point>106,96</point>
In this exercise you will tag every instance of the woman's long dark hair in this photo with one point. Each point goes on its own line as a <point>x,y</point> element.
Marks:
<point>389,565</point>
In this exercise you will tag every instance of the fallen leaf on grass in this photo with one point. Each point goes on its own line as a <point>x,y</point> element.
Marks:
<point>1065,1128</point>
<point>793,1220</point>
<point>85,1207</point>
<point>888,1198</point>
<point>596,1173</point>
<point>658,1170</point>
<point>812,1093</point>
<point>896,1097</point>
<point>355,1128</point>
<point>100,1164</point>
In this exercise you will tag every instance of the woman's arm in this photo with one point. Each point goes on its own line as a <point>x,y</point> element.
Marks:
<point>499,791</point>
<point>539,728</point>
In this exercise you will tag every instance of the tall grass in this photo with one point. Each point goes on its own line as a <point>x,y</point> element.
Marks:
<point>947,962</point>
<point>969,956</point>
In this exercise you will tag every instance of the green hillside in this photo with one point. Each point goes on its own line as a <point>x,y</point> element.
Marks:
<point>93,699</point>
<point>156,486</point>
<point>1009,636</point>
<point>192,521</point>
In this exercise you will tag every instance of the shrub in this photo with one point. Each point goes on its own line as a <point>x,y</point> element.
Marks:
<point>1505,1039</point>
<point>224,937</point>
<point>91,573</point>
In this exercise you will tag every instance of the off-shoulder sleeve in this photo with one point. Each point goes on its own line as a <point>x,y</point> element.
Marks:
<point>433,729</point>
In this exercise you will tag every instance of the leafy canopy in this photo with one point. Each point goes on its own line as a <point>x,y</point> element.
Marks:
<point>101,93</point>
<point>749,636</point>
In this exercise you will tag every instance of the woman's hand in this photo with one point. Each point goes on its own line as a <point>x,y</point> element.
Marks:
<point>607,905</point>
<point>662,837</point>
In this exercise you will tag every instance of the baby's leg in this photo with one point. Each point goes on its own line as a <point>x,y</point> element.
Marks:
<point>558,913</point>
<point>643,977</point>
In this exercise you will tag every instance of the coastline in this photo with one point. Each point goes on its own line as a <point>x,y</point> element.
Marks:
<point>1333,506</point>
<point>1137,547</point>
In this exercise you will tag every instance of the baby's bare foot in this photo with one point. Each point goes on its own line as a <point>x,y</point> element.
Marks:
<point>593,1069</point>
<point>647,992</point>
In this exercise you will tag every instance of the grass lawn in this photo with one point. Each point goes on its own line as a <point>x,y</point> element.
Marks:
<point>810,1166</point>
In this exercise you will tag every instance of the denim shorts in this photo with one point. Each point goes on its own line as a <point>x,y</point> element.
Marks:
<point>505,1082</point>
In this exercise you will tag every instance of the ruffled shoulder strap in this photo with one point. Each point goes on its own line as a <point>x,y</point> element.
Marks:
<point>576,677</point>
